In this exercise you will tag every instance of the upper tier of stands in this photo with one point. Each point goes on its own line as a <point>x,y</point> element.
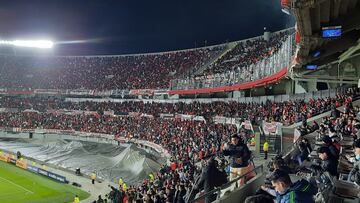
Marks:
<point>248,62</point>
<point>101,72</point>
<point>248,52</point>
<point>144,71</point>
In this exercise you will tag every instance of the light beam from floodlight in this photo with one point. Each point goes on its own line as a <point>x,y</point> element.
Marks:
<point>42,44</point>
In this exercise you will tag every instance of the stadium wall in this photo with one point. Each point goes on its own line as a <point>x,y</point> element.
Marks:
<point>23,164</point>
<point>262,82</point>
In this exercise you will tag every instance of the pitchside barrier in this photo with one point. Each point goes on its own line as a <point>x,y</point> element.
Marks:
<point>23,163</point>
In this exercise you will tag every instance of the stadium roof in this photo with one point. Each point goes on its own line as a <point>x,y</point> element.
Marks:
<point>312,16</point>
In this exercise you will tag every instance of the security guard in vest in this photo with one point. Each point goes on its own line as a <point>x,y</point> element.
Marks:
<point>266,149</point>
<point>76,199</point>
<point>93,177</point>
<point>121,181</point>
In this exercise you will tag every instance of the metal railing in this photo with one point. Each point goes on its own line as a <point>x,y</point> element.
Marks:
<point>257,170</point>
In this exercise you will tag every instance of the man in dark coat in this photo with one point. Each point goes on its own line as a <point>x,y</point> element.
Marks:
<point>210,178</point>
<point>240,154</point>
<point>179,194</point>
<point>328,162</point>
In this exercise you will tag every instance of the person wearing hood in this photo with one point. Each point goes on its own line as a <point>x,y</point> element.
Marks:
<point>287,192</point>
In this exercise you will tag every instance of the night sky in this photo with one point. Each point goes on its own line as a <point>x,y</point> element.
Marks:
<point>137,26</point>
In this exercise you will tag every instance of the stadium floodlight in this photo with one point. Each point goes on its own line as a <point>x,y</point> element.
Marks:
<point>42,44</point>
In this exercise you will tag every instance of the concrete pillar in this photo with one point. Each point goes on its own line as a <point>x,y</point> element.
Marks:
<point>174,96</point>
<point>311,86</point>
<point>238,94</point>
<point>299,88</point>
<point>289,87</point>
<point>257,144</point>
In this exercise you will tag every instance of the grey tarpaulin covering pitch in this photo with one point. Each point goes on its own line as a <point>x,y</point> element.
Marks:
<point>109,161</point>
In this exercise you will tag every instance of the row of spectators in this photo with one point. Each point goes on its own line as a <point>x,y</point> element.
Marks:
<point>101,72</point>
<point>286,112</point>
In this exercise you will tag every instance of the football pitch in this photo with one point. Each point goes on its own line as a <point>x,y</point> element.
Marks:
<point>20,186</point>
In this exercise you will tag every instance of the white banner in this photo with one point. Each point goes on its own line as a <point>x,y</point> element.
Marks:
<point>297,134</point>
<point>247,125</point>
<point>271,128</point>
<point>226,120</point>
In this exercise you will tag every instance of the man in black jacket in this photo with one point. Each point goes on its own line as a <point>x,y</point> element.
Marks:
<point>328,162</point>
<point>331,146</point>
<point>240,155</point>
<point>210,178</point>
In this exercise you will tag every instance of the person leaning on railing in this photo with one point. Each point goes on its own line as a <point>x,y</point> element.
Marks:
<point>241,155</point>
<point>210,178</point>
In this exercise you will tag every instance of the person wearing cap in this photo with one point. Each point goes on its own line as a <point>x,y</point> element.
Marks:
<point>241,155</point>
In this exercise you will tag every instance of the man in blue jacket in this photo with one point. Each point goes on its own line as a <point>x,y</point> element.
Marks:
<point>287,192</point>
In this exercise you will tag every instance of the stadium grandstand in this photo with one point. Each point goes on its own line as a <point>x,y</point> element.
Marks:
<point>274,118</point>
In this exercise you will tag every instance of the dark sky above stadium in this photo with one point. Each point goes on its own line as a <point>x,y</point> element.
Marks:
<point>88,27</point>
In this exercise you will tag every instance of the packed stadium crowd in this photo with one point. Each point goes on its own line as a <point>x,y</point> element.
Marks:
<point>188,142</point>
<point>287,112</point>
<point>325,152</point>
<point>248,52</point>
<point>325,160</point>
<point>102,72</point>
<point>149,71</point>
<point>248,61</point>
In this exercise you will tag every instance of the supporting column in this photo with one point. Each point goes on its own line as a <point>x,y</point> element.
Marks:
<point>299,87</point>
<point>311,86</point>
